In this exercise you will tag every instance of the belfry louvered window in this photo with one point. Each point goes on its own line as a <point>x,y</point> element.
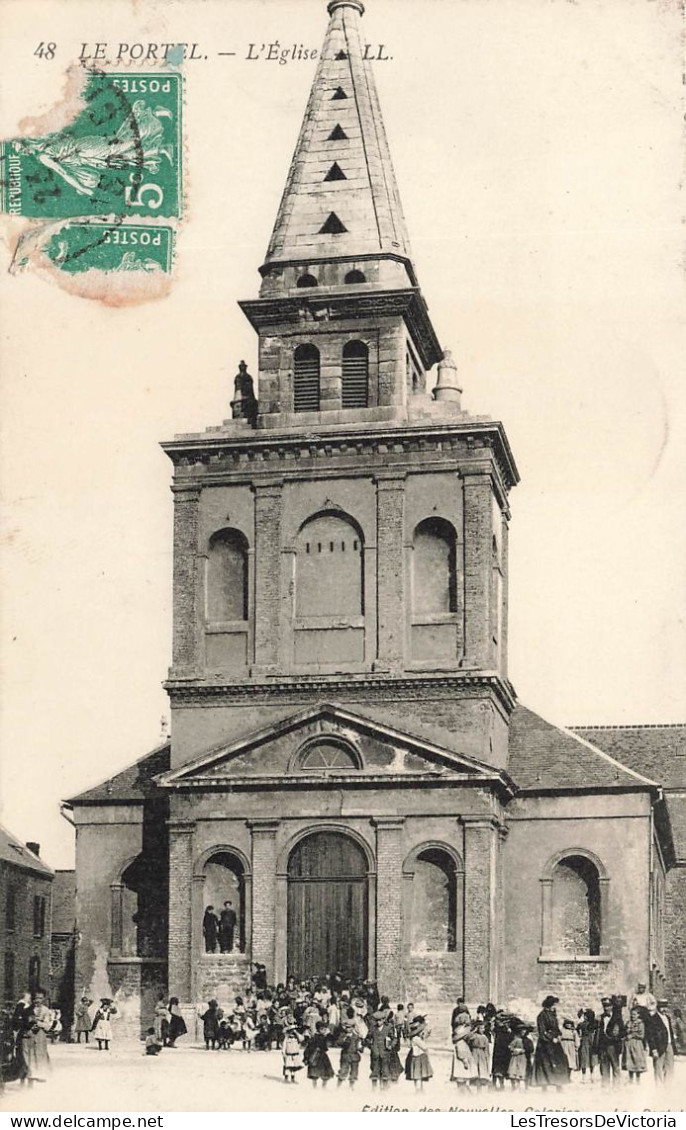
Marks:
<point>355,375</point>
<point>306,379</point>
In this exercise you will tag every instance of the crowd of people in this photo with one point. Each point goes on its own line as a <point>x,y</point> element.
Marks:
<point>311,1021</point>
<point>325,1027</point>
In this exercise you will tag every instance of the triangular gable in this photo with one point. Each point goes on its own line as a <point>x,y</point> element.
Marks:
<point>385,752</point>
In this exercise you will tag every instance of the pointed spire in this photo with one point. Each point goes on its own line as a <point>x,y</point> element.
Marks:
<point>343,133</point>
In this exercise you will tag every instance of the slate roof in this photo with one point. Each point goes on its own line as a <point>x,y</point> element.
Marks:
<point>132,785</point>
<point>365,198</point>
<point>544,756</point>
<point>657,751</point>
<point>14,851</point>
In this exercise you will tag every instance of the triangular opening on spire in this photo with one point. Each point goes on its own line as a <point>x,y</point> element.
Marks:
<point>337,134</point>
<point>338,94</point>
<point>335,173</point>
<point>332,225</point>
<point>341,55</point>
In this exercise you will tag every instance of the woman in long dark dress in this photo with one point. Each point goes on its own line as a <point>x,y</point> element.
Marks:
<point>317,1055</point>
<point>177,1024</point>
<point>550,1065</point>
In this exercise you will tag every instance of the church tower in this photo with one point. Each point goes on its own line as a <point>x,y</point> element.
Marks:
<point>340,568</point>
<point>348,777</point>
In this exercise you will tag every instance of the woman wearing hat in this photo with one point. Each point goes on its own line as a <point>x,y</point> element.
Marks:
<point>83,1021</point>
<point>550,1064</point>
<point>463,1068</point>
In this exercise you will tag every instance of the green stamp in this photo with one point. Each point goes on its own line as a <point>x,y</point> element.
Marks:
<point>84,244</point>
<point>121,155</point>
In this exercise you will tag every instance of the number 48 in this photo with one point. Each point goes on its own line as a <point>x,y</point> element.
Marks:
<point>46,50</point>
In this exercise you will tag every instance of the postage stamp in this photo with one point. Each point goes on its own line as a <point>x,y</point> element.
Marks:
<point>121,155</point>
<point>83,245</point>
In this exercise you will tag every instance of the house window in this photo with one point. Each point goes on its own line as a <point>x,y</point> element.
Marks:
<point>39,904</point>
<point>434,568</point>
<point>11,908</point>
<point>355,375</point>
<point>34,973</point>
<point>306,379</point>
<point>10,989</point>
<point>227,576</point>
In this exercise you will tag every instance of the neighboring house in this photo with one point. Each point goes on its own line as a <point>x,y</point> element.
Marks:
<point>63,946</point>
<point>25,900</point>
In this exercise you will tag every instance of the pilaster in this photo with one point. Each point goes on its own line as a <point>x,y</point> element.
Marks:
<point>390,585</point>
<point>481,848</point>
<point>264,893</point>
<point>267,603</point>
<point>477,565</point>
<point>180,908</point>
<point>389,889</point>
<point>185,656</point>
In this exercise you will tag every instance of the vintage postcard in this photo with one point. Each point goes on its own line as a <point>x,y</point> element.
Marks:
<point>343,641</point>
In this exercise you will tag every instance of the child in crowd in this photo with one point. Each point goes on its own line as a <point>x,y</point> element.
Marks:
<point>292,1053</point>
<point>418,1061</point>
<point>635,1058</point>
<point>317,1055</point>
<point>102,1024</point>
<point>152,1044</point>
<point>480,1048</point>
<point>83,1020</point>
<point>350,1043</point>
<point>516,1068</point>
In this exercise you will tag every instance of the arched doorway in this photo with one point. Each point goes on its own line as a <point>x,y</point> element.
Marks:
<point>327,907</point>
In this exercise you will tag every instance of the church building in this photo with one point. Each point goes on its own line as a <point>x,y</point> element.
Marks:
<point>349,766</point>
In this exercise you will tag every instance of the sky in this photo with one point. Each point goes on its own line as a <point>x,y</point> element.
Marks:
<point>538,147</point>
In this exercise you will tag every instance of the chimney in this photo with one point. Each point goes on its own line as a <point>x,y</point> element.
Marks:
<point>34,847</point>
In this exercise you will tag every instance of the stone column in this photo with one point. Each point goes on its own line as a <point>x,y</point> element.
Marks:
<point>478,535</point>
<point>180,908</point>
<point>389,889</point>
<point>264,893</point>
<point>197,939</point>
<point>185,653</point>
<point>390,571</point>
<point>267,602</point>
<point>480,903</point>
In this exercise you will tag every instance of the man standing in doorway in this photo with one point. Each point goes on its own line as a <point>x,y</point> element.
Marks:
<point>227,925</point>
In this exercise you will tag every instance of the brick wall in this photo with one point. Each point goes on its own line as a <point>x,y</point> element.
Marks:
<point>267,573</point>
<point>480,905</point>
<point>389,860</point>
<point>185,629</point>
<point>390,570</point>
<point>675,943</point>
<point>180,901</point>
<point>264,892</point>
<point>433,977</point>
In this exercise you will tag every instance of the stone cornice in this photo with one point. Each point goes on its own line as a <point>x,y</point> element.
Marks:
<point>192,692</point>
<point>470,447</point>
<point>263,313</point>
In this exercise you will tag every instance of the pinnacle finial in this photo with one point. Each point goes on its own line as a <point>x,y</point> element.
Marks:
<point>334,4</point>
<point>447,386</point>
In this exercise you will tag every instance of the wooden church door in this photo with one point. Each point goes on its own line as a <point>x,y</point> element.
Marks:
<point>327,907</point>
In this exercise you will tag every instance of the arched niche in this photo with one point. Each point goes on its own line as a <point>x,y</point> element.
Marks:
<point>433,900</point>
<point>138,918</point>
<point>329,606</point>
<point>434,604</point>
<point>225,878</point>
<point>575,893</point>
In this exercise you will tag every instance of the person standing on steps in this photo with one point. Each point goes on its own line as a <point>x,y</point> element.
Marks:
<point>227,926</point>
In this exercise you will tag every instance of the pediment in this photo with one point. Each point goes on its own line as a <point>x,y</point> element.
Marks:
<point>329,744</point>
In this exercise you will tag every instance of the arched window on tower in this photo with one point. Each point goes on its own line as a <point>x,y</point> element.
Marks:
<point>306,280</point>
<point>434,592</point>
<point>355,375</point>
<point>329,591</point>
<point>306,366</point>
<point>227,576</point>
<point>354,276</point>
